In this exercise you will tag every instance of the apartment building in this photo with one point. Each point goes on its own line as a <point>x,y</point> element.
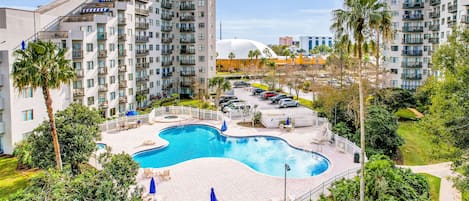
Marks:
<point>420,26</point>
<point>285,40</point>
<point>125,53</point>
<point>308,43</point>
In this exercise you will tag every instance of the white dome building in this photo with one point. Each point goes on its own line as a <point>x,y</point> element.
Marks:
<point>241,48</point>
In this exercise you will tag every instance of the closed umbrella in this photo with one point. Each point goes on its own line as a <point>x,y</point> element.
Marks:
<point>224,127</point>
<point>152,187</point>
<point>23,45</point>
<point>212,195</point>
<point>287,122</point>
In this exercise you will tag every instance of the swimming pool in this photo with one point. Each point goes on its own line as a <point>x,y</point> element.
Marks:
<point>266,155</point>
<point>101,146</point>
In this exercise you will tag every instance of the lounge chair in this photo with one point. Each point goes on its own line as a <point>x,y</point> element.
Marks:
<point>165,175</point>
<point>148,173</point>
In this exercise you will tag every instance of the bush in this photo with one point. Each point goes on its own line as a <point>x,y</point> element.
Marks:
<point>257,118</point>
<point>23,153</point>
<point>405,115</point>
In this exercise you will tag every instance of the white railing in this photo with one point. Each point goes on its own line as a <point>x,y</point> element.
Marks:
<point>323,188</point>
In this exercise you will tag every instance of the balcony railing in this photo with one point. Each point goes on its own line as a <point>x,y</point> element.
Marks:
<point>77,54</point>
<point>123,100</point>
<point>187,29</point>
<point>435,14</point>
<point>103,105</point>
<point>166,28</point>
<point>412,40</point>
<point>167,16</point>
<point>187,18</point>
<point>102,35</point>
<point>453,8</point>
<point>123,84</point>
<point>80,73</point>
<point>102,71</point>
<point>434,27</point>
<point>102,53</point>
<point>412,28</point>
<point>434,40</point>
<point>141,11</point>
<point>187,40</point>
<point>102,88</point>
<point>186,6</point>
<point>166,39</point>
<point>43,35</point>
<point>167,86</point>
<point>122,53</point>
<point>166,52</point>
<point>187,51</point>
<point>167,74</point>
<point>79,18</point>
<point>412,17</point>
<point>166,4</point>
<point>167,63</point>
<point>121,21</point>
<point>411,76</point>
<point>142,25</point>
<point>142,65</point>
<point>80,92</point>
<point>122,69</point>
<point>435,2</point>
<point>142,53</point>
<point>451,22</point>
<point>412,52</point>
<point>144,1</point>
<point>412,65</point>
<point>122,37</point>
<point>143,78</point>
<point>465,19</point>
<point>186,84</point>
<point>412,5</point>
<point>187,62</point>
<point>141,39</point>
<point>144,91</point>
<point>187,73</point>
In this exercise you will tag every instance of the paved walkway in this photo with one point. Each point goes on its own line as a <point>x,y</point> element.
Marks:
<point>443,171</point>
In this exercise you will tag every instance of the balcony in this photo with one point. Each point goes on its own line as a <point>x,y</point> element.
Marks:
<point>44,35</point>
<point>465,19</point>
<point>452,22</point>
<point>166,74</point>
<point>122,69</point>
<point>187,29</point>
<point>121,22</point>
<point>142,53</point>
<point>187,62</point>
<point>167,63</point>
<point>144,91</point>
<point>167,16</point>
<point>411,76</point>
<point>412,41</point>
<point>143,78</point>
<point>187,6</point>
<point>412,65</point>
<point>141,66</point>
<point>166,28</point>
<point>412,17</point>
<point>187,73</point>
<point>166,5</point>
<point>435,2</point>
<point>103,105</point>
<point>122,53</point>
<point>79,18</point>
<point>102,36</point>
<point>102,88</point>
<point>453,8</point>
<point>142,39</point>
<point>434,40</point>
<point>186,84</point>
<point>80,92</point>
<point>187,18</point>
<point>77,54</point>
<point>123,100</point>
<point>122,37</point>
<point>167,86</point>
<point>142,11</point>
<point>142,25</point>
<point>144,1</point>
<point>123,84</point>
<point>435,14</point>
<point>412,53</point>
<point>412,28</point>
<point>165,39</point>
<point>412,5</point>
<point>187,40</point>
<point>166,52</point>
<point>102,71</point>
<point>187,51</point>
<point>434,27</point>
<point>80,73</point>
<point>102,53</point>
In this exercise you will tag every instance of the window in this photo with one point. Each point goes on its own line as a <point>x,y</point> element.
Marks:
<point>78,84</point>
<point>157,11</point>
<point>90,65</point>
<point>112,47</point>
<point>28,115</point>
<point>113,95</point>
<point>112,63</point>
<point>201,2</point>
<point>201,25</point>
<point>157,47</point>
<point>394,48</point>
<point>89,47</point>
<point>131,76</point>
<point>201,58</point>
<point>112,30</point>
<point>394,71</point>
<point>151,59</point>
<point>130,47</point>
<point>201,14</point>
<point>201,36</point>
<point>131,91</point>
<point>27,93</point>
<point>90,83</point>
<point>150,47</point>
<point>151,84</point>
<point>150,34</point>
<point>89,29</point>
<point>91,100</point>
<point>112,79</point>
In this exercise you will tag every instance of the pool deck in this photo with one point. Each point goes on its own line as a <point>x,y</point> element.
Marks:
<point>232,180</point>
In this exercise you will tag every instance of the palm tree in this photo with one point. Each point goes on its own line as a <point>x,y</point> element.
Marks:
<point>221,85</point>
<point>382,25</point>
<point>256,53</point>
<point>43,65</point>
<point>231,56</point>
<point>355,20</point>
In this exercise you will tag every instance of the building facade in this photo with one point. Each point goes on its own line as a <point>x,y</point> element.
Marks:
<point>308,43</point>
<point>125,53</point>
<point>420,26</point>
<point>285,40</point>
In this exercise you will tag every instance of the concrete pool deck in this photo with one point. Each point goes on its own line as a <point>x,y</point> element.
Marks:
<point>232,180</point>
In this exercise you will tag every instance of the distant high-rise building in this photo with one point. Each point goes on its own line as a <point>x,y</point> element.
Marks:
<point>120,49</point>
<point>286,40</point>
<point>420,26</point>
<point>308,43</point>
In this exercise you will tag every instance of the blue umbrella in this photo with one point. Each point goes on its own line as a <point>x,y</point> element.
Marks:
<point>224,127</point>
<point>23,45</point>
<point>212,195</point>
<point>131,113</point>
<point>287,122</point>
<point>152,186</point>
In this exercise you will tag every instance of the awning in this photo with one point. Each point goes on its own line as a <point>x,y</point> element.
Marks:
<point>94,10</point>
<point>106,1</point>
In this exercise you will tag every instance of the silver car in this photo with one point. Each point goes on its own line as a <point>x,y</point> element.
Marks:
<point>288,102</point>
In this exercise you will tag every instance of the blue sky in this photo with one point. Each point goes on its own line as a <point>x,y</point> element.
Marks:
<point>261,20</point>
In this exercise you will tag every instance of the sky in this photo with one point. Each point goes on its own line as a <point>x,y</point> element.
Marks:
<point>260,20</point>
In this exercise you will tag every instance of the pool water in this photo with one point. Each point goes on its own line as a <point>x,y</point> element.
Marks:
<point>266,155</point>
<point>101,146</point>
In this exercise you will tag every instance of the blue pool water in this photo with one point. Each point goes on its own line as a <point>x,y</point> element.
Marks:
<point>266,155</point>
<point>101,146</point>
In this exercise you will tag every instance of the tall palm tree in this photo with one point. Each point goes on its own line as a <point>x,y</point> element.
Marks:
<point>250,56</point>
<point>256,53</point>
<point>43,65</point>
<point>231,56</point>
<point>355,20</point>
<point>382,26</point>
<point>221,85</point>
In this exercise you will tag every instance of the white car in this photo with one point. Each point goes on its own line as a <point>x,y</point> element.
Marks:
<point>288,102</point>
<point>239,106</point>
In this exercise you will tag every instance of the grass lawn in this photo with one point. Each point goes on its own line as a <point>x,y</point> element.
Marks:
<point>305,102</point>
<point>419,149</point>
<point>434,183</point>
<point>260,86</point>
<point>229,73</point>
<point>465,196</point>
<point>12,180</point>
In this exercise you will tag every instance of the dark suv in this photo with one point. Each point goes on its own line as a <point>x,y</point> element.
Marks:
<point>277,98</point>
<point>224,99</point>
<point>257,91</point>
<point>239,84</point>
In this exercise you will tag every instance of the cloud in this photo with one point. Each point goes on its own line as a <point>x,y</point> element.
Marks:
<point>315,11</point>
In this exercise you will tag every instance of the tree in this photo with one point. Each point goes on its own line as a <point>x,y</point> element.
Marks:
<point>77,129</point>
<point>393,99</point>
<point>382,27</point>
<point>384,181</point>
<point>354,20</point>
<point>231,56</point>
<point>321,49</point>
<point>220,85</point>
<point>140,98</point>
<point>381,127</point>
<point>43,65</point>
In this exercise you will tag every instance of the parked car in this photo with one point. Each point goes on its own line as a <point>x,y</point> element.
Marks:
<point>278,97</point>
<point>268,94</point>
<point>238,84</point>
<point>257,91</point>
<point>288,102</point>
<point>239,106</point>
<point>223,105</point>
<point>226,98</point>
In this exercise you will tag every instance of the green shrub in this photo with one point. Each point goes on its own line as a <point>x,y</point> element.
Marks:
<point>405,115</point>
<point>23,153</point>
